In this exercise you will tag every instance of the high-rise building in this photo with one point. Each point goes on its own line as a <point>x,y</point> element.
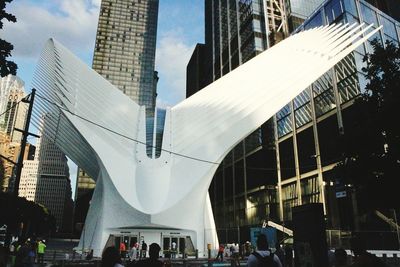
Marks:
<point>243,190</point>
<point>125,47</point>
<point>125,55</point>
<point>309,131</point>
<point>11,93</point>
<point>45,180</point>
<point>288,161</point>
<point>195,71</point>
<point>12,116</point>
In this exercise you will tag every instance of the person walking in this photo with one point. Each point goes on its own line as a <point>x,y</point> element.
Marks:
<point>41,247</point>
<point>263,256</point>
<point>122,249</point>
<point>143,251</point>
<point>153,260</point>
<point>173,250</point>
<point>133,253</point>
<point>111,258</point>
<point>220,252</point>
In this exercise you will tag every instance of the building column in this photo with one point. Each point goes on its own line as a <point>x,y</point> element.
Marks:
<point>317,150</point>
<point>296,156</point>
<point>278,169</point>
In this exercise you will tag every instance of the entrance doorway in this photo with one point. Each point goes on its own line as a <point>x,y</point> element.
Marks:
<point>174,246</point>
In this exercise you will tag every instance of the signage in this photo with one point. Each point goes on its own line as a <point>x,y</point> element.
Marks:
<point>341,194</point>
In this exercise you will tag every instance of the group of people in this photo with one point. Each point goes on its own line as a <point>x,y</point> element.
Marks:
<point>23,254</point>
<point>111,257</point>
<point>263,256</point>
<point>135,252</point>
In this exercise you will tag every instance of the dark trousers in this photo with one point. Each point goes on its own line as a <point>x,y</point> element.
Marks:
<point>220,255</point>
<point>40,257</point>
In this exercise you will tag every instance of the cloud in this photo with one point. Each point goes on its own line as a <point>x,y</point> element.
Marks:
<point>72,22</point>
<point>172,55</point>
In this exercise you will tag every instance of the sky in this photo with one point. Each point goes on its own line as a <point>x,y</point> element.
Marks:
<point>74,24</point>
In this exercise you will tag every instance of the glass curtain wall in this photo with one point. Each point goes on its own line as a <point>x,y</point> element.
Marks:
<point>309,129</point>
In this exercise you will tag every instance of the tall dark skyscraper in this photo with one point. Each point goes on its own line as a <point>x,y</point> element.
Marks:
<point>125,55</point>
<point>126,46</point>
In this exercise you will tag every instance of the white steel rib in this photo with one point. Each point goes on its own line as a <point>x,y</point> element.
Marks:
<point>104,131</point>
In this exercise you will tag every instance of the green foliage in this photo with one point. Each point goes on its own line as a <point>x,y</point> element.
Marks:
<point>6,66</point>
<point>18,211</point>
<point>371,155</point>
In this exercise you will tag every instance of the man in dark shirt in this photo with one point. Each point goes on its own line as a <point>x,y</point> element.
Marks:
<point>153,261</point>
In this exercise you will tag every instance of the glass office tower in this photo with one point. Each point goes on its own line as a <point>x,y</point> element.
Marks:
<point>309,130</point>
<point>243,192</point>
<point>125,47</point>
<point>125,55</point>
<point>289,160</point>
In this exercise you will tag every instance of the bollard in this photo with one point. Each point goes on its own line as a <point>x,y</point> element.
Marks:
<point>197,254</point>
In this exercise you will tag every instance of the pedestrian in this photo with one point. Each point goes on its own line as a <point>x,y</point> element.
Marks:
<point>247,248</point>
<point>13,251</point>
<point>220,252</point>
<point>288,262</point>
<point>340,258</point>
<point>143,251</point>
<point>173,252</point>
<point>132,253</point>
<point>263,256</point>
<point>89,256</point>
<point>41,247</point>
<point>362,257</point>
<point>236,256</point>
<point>122,249</point>
<point>25,255</point>
<point>3,254</point>
<point>111,258</point>
<point>279,252</point>
<point>153,260</point>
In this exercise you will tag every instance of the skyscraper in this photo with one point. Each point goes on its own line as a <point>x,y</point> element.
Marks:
<point>125,55</point>
<point>244,191</point>
<point>289,161</point>
<point>45,180</point>
<point>11,93</point>
<point>12,116</point>
<point>125,47</point>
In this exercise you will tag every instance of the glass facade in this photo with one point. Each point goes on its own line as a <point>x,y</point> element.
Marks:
<point>243,192</point>
<point>308,139</point>
<point>125,55</point>
<point>287,161</point>
<point>125,47</point>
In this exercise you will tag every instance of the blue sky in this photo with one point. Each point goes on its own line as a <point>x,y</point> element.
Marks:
<point>74,23</point>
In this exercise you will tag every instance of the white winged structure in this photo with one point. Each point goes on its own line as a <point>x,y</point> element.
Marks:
<point>103,131</point>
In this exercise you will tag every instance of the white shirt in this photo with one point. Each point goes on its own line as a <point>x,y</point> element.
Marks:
<point>253,261</point>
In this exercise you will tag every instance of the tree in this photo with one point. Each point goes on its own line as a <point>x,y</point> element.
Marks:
<point>6,66</point>
<point>24,217</point>
<point>381,102</point>
<point>371,154</point>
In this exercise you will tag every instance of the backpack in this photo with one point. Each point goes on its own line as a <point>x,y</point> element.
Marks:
<point>267,261</point>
